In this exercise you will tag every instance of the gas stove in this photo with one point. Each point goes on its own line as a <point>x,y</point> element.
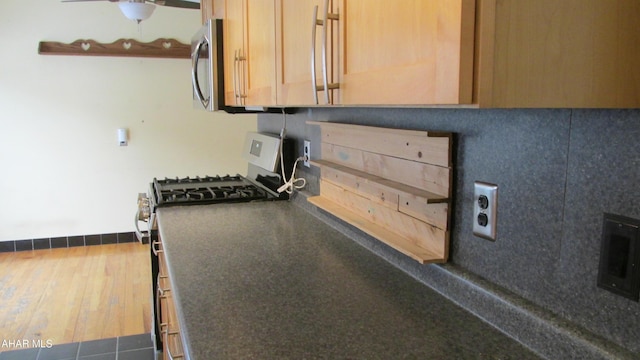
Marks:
<point>207,190</point>
<point>262,151</point>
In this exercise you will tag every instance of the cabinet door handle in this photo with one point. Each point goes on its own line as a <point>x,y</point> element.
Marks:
<point>242,70</point>
<point>236,96</point>
<point>325,79</point>
<point>238,81</point>
<point>314,82</point>
<point>326,86</point>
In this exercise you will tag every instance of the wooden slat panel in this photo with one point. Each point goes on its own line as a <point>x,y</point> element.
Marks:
<point>388,237</point>
<point>391,183</point>
<point>421,146</point>
<point>432,178</point>
<point>419,233</point>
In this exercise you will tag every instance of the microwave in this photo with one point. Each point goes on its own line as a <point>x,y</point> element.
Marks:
<point>207,72</point>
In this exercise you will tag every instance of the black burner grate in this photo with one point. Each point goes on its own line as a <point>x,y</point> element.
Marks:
<point>206,190</point>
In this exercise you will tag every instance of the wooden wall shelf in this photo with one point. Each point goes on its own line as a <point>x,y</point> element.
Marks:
<point>393,184</point>
<point>160,48</point>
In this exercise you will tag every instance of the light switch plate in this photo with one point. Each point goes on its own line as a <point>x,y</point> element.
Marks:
<point>485,210</point>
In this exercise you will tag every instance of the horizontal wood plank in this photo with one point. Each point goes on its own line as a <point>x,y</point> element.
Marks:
<point>421,146</point>
<point>349,175</point>
<point>423,205</point>
<point>388,237</point>
<point>434,214</point>
<point>417,232</point>
<point>431,178</point>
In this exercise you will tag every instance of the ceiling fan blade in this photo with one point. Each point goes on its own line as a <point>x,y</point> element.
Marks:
<point>185,4</point>
<point>88,0</point>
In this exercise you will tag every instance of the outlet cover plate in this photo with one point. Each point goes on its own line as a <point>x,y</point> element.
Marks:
<point>306,151</point>
<point>486,228</point>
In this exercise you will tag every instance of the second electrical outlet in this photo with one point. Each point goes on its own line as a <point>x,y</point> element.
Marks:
<point>485,209</point>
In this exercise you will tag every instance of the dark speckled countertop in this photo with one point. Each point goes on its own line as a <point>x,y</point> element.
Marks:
<point>270,281</point>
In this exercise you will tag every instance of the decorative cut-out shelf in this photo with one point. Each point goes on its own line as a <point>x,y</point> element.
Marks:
<point>160,48</point>
<point>393,184</point>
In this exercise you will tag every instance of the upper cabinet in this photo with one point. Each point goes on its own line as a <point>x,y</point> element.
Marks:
<point>298,39</point>
<point>249,52</point>
<point>485,53</point>
<point>550,53</point>
<point>374,52</point>
<point>405,52</point>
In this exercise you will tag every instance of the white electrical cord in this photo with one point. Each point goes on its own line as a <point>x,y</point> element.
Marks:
<point>293,183</point>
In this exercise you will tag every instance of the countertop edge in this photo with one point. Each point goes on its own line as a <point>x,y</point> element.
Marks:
<point>184,334</point>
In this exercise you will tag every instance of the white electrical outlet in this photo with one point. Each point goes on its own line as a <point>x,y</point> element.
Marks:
<point>485,209</point>
<point>306,151</point>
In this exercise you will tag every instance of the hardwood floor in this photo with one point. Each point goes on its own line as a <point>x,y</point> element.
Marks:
<point>75,294</point>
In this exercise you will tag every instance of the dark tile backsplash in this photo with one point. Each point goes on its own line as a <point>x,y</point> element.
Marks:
<point>558,171</point>
<point>67,241</point>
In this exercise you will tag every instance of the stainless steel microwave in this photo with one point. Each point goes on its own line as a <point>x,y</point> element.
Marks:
<point>207,67</point>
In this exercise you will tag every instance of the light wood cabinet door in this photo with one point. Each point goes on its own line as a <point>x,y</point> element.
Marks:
<point>558,54</point>
<point>406,52</point>
<point>260,65</point>
<point>249,53</point>
<point>295,23</point>
<point>233,44</point>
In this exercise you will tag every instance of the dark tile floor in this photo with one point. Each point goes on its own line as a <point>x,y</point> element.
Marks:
<point>134,347</point>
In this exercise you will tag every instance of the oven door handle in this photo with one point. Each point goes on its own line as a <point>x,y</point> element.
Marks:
<point>139,233</point>
<point>195,57</point>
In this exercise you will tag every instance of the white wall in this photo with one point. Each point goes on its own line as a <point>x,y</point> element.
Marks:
<point>62,171</point>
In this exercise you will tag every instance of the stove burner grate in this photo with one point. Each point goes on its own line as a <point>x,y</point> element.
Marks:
<point>206,190</point>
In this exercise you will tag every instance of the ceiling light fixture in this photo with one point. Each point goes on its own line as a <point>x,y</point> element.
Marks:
<point>137,10</point>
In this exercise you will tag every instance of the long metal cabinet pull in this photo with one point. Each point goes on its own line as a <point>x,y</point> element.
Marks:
<point>314,82</point>
<point>244,82</point>
<point>236,94</point>
<point>326,86</point>
<point>238,81</point>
